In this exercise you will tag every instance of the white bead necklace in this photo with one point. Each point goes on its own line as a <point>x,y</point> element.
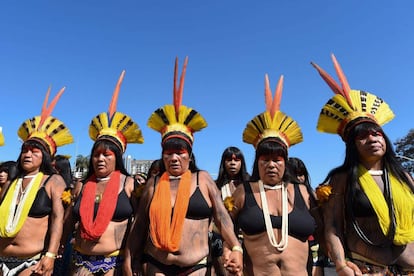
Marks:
<point>376,172</point>
<point>285,222</point>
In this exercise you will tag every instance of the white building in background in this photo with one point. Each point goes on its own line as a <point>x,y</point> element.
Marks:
<point>134,166</point>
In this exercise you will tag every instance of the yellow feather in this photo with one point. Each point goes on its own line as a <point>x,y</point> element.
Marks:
<point>1,137</point>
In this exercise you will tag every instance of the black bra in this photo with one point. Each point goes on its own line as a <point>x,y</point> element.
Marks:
<point>42,205</point>
<point>123,208</point>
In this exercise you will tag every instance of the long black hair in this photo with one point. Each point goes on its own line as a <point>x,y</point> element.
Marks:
<point>46,166</point>
<point>223,176</point>
<point>351,162</point>
<point>62,166</point>
<point>175,143</point>
<point>10,167</point>
<point>108,143</point>
<point>271,146</point>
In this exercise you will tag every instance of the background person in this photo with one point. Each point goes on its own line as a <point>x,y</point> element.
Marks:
<point>32,209</point>
<point>272,211</point>
<point>232,172</point>
<point>106,204</point>
<point>369,214</point>
<point>8,171</point>
<point>316,259</point>
<point>171,230</point>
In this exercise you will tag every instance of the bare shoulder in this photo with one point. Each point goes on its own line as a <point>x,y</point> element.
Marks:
<point>55,180</point>
<point>338,182</point>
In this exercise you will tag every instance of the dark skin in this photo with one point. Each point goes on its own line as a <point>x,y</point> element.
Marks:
<point>31,239</point>
<point>194,247</point>
<point>371,149</point>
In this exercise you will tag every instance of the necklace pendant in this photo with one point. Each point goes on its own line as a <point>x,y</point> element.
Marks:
<point>98,198</point>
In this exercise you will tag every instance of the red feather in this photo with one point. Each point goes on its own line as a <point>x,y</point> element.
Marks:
<point>114,100</point>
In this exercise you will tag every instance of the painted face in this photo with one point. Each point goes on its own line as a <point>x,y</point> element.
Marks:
<point>370,144</point>
<point>271,168</point>
<point>176,162</point>
<point>31,159</point>
<point>103,161</point>
<point>232,165</point>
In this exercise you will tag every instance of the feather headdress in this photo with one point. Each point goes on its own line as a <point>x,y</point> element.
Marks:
<point>177,120</point>
<point>46,129</point>
<point>116,124</point>
<point>349,107</point>
<point>1,137</point>
<point>272,122</point>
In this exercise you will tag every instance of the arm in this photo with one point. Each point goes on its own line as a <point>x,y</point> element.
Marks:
<point>56,186</point>
<point>137,235</point>
<point>224,224</point>
<point>334,217</point>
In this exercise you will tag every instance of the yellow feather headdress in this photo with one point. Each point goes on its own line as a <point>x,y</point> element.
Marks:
<point>46,129</point>
<point>1,137</point>
<point>349,107</point>
<point>272,122</point>
<point>177,119</point>
<point>116,124</point>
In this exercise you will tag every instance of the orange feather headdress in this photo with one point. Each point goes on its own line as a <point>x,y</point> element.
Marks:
<point>115,124</point>
<point>46,129</point>
<point>349,107</point>
<point>272,122</point>
<point>177,120</point>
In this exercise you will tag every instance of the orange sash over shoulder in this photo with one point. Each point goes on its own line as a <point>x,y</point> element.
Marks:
<point>165,232</point>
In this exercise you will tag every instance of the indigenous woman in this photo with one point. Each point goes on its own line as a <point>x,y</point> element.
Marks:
<point>369,216</point>
<point>31,210</point>
<point>8,171</point>
<point>232,172</point>
<point>272,212</point>
<point>178,204</point>
<point>106,204</point>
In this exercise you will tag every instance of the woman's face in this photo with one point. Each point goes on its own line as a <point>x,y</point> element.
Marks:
<point>232,165</point>
<point>176,162</point>
<point>31,159</point>
<point>3,177</point>
<point>271,168</point>
<point>103,161</point>
<point>371,145</point>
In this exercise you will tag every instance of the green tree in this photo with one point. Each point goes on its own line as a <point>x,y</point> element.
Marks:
<point>404,149</point>
<point>81,164</point>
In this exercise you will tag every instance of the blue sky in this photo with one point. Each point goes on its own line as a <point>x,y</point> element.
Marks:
<point>84,45</point>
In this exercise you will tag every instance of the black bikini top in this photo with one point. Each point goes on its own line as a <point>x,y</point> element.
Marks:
<point>361,205</point>
<point>197,206</point>
<point>251,218</point>
<point>123,208</point>
<point>42,205</point>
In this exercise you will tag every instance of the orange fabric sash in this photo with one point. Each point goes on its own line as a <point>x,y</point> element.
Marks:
<point>165,232</point>
<point>92,229</point>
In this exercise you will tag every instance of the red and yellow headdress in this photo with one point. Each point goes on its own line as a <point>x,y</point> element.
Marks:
<point>349,107</point>
<point>1,137</point>
<point>272,122</point>
<point>115,124</point>
<point>47,130</point>
<point>177,120</point>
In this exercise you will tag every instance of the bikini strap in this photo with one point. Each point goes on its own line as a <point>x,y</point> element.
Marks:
<point>299,201</point>
<point>47,179</point>
<point>197,178</point>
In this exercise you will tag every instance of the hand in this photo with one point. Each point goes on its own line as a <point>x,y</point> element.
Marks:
<point>44,266</point>
<point>233,262</point>
<point>349,269</point>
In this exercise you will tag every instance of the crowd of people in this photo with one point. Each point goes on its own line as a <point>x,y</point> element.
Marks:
<point>175,219</point>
